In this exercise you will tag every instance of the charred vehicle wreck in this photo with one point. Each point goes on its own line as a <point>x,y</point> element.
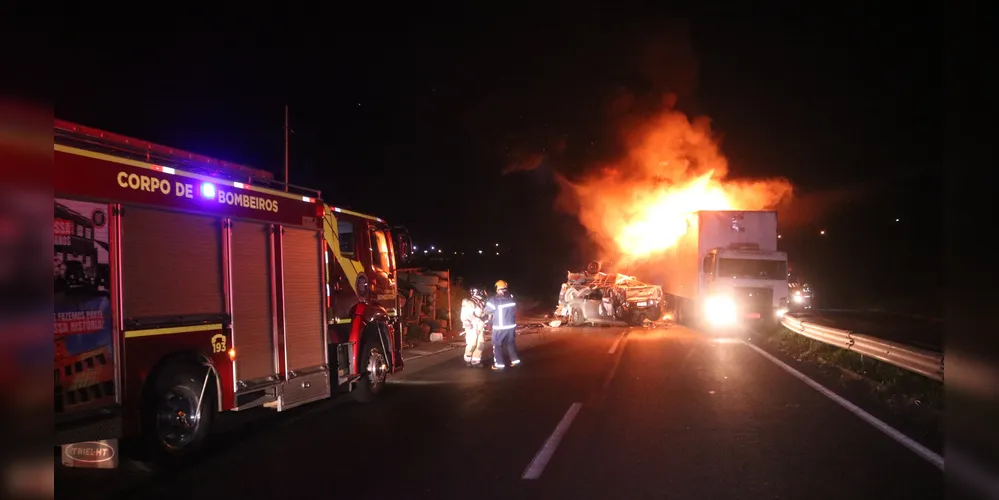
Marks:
<point>593,297</point>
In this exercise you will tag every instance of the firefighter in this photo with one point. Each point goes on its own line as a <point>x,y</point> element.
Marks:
<point>504,312</point>
<point>472,315</point>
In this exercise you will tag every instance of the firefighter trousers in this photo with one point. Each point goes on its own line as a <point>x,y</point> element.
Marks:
<point>474,340</point>
<point>505,342</point>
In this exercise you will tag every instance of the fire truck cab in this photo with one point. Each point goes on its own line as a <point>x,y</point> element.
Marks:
<point>360,266</point>
<point>222,290</point>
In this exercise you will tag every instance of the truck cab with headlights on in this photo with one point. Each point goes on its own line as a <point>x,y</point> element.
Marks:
<point>744,283</point>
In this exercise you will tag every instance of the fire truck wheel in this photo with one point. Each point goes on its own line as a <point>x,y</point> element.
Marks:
<point>375,367</point>
<point>176,427</point>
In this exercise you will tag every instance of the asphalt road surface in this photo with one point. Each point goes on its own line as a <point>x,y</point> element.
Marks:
<point>591,413</point>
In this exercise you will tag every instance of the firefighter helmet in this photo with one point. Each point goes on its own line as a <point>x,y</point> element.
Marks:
<point>477,293</point>
<point>501,285</point>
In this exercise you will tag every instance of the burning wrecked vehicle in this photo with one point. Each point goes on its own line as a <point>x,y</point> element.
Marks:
<point>594,297</point>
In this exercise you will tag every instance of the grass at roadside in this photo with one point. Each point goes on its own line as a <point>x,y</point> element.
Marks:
<point>902,392</point>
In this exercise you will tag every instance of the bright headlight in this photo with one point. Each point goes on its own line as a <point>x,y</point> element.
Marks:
<point>799,299</point>
<point>719,310</point>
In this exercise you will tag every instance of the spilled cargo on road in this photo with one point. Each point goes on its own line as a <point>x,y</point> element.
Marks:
<point>425,304</point>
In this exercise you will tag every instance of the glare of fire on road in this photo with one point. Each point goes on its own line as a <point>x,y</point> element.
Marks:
<point>673,168</point>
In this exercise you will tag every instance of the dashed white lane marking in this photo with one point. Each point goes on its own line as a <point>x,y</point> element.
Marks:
<point>616,342</point>
<point>893,433</point>
<point>537,466</point>
<point>598,397</point>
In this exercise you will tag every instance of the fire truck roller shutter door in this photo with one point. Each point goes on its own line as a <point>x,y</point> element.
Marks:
<point>171,264</point>
<point>304,339</point>
<point>253,315</point>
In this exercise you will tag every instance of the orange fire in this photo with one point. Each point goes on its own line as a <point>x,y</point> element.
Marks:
<point>673,169</point>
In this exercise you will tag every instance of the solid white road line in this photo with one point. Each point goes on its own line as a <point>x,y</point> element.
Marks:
<point>616,342</point>
<point>537,466</point>
<point>893,433</point>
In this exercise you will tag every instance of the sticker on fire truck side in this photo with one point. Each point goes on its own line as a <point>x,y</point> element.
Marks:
<point>218,343</point>
<point>84,353</point>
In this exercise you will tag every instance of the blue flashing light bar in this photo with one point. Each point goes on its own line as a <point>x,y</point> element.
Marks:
<point>207,190</point>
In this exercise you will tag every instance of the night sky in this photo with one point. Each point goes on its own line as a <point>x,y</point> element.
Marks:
<point>415,119</point>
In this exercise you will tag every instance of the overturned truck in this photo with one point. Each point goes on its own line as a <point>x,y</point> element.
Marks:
<point>593,297</point>
<point>425,303</point>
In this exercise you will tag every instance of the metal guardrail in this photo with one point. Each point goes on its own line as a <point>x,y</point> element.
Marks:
<point>914,359</point>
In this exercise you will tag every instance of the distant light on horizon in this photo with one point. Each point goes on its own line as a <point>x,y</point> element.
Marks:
<point>778,236</point>
<point>822,232</point>
<point>480,252</point>
<point>896,219</point>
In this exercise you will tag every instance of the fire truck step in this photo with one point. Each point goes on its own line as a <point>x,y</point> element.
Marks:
<point>304,389</point>
<point>254,399</point>
<point>345,380</point>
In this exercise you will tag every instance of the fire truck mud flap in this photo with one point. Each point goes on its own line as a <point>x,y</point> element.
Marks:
<point>346,370</point>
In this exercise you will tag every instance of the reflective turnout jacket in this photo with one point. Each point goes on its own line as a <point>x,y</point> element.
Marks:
<point>471,314</point>
<point>504,311</point>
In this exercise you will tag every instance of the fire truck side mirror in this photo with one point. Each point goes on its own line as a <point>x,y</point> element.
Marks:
<point>403,244</point>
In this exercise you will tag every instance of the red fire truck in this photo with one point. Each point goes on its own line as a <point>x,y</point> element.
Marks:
<point>228,291</point>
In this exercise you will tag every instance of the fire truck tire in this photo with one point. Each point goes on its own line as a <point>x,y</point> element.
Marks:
<point>375,366</point>
<point>174,427</point>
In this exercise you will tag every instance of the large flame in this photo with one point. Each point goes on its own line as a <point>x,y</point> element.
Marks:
<point>673,168</point>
